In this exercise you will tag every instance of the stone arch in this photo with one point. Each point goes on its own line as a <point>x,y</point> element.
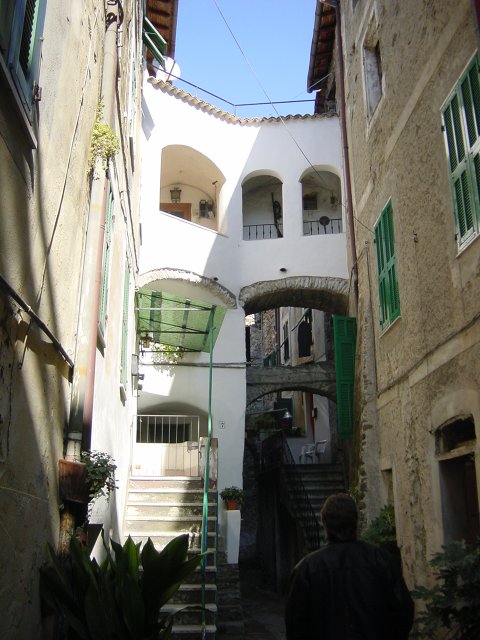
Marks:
<point>316,378</point>
<point>326,293</point>
<point>181,281</point>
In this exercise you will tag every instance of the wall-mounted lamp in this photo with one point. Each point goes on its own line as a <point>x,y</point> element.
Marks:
<point>287,415</point>
<point>175,194</point>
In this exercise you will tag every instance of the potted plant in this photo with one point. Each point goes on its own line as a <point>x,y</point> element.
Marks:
<point>87,480</point>
<point>232,497</point>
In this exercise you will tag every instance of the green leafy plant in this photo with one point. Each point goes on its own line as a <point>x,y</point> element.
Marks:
<point>166,354</point>
<point>381,530</point>
<point>100,473</point>
<point>104,142</point>
<point>452,605</point>
<point>121,598</point>
<point>232,493</point>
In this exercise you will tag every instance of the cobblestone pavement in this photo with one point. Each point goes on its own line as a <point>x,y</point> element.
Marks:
<point>262,609</point>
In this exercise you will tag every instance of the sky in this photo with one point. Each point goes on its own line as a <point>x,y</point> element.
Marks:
<point>270,61</point>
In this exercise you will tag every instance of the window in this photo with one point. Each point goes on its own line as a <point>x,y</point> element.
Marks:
<point>461,124</point>
<point>372,64</point>
<point>21,27</point>
<point>345,335</point>
<point>124,347</point>
<point>107,243</point>
<point>387,269</point>
<point>286,342</point>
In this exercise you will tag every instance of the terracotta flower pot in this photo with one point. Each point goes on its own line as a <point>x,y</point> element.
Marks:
<point>232,505</point>
<point>73,481</point>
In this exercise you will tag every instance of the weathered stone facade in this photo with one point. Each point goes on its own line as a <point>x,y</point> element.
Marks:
<point>421,372</point>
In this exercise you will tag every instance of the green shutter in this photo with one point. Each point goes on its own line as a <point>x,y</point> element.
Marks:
<point>461,119</point>
<point>107,241</point>
<point>24,47</point>
<point>387,268</point>
<point>154,41</point>
<point>124,347</point>
<point>345,332</point>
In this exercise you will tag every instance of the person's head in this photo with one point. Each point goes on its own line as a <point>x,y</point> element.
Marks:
<point>339,516</point>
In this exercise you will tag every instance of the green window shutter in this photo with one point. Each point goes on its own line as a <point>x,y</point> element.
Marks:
<point>345,333</point>
<point>24,47</point>
<point>388,291</point>
<point>154,41</point>
<point>461,120</point>
<point>107,241</point>
<point>124,347</point>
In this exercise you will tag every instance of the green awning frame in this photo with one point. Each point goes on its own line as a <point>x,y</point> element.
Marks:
<point>177,321</point>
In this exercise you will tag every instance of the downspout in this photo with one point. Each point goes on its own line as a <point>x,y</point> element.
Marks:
<point>343,123</point>
<point>80,424</point>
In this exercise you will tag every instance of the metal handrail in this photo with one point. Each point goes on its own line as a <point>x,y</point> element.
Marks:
<point>323,226</point>
<point>268,231</point>
<point>276,452</point>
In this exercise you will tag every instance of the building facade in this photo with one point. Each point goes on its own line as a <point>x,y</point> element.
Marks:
<point>412,112</point>
<point>69,74</point>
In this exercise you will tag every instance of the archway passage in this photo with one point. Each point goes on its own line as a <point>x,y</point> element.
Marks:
<point>327,293</point>
<point>312,378</point>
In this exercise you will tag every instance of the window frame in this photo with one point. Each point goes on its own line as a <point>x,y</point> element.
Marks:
<point>459,121</point>
<point>387,272</point>
<point>20,49</point>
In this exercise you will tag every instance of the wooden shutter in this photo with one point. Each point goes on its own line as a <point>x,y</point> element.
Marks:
<point>461,120</point>
<point>107,241</point>
<point>345,332</point>
<point>124,346</point>
<point>387,268</point>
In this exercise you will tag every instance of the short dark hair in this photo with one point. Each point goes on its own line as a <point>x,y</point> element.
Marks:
<point>339,516</point>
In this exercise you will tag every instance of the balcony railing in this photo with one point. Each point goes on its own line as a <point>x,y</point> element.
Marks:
<point>262,231</point>
<point>323,226</point>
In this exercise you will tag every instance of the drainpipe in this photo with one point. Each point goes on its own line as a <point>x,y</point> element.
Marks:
<point>81,408</point>
<point>343,123</point>
<point>80,425</point>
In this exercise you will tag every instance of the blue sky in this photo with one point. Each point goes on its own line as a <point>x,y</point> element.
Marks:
<point>275,37</point>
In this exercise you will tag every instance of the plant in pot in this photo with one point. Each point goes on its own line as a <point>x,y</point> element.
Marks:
<point>233,497</point>
<point>87,480</point>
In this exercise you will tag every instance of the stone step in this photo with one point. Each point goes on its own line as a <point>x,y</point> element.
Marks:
<point>138,525</point>
<point>191,593</point>
<point>168,496</point>
<point>170,510</point>
<point>191,614</point>
<point>194,631</point>
<point>161,538</point>
<point>183,483</point>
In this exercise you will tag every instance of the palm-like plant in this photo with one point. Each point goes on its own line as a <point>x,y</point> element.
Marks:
<point>121,598</point>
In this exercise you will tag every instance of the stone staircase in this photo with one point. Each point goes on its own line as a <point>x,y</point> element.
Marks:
<point>320,481</point>
<point>308,486</point>
<point>161,509</point>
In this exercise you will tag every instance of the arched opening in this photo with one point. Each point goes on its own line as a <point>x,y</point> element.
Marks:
<point>262,208</point>
<point>321,203</point>
<point>190,186</point>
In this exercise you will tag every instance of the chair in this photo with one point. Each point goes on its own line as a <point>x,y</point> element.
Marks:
<point>310,450</point>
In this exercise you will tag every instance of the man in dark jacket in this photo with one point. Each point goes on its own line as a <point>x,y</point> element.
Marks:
<point>348,589</point>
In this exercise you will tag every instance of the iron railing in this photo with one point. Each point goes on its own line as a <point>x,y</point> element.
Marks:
<point>276,453</point>
<point>262,231</point>
<point>173,445</point>
<point>323,226</point>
